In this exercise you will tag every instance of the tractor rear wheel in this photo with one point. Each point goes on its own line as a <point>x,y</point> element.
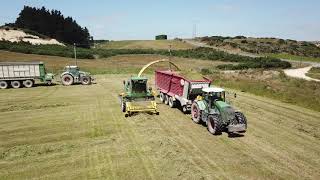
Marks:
<point>86,80</point>
<point>166,99</point>
<point>172,103</point>
<point>16,84</point>
<point>28,83</point>
<point>214,124</point>
<point>241,118</point>
<point>162,96</point>
<point>67,80</point>
<point>3,85</point>
<point>196,113</point>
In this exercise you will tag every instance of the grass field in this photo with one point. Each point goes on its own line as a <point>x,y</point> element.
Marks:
<point>113,65</point>
<point>293,57</point>
<point>145,44</point>
<point>314,72</point>
<point>79,132</point>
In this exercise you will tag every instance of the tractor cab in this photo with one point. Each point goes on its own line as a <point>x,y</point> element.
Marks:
<point>212,95</point>
<point>72,69</point>
<point>137,87</point>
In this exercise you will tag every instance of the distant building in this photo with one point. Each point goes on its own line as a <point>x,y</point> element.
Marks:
<point>161,37</point>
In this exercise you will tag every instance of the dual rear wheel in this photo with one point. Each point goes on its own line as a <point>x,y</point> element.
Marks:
<point>168,100</point>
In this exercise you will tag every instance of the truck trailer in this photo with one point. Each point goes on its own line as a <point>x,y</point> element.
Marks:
<point>16,74</point>
<point>177,90</point>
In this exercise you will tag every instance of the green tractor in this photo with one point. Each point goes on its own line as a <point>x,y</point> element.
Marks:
<point>137,97</point>
<point>72,75</point>
<point>211,108</point>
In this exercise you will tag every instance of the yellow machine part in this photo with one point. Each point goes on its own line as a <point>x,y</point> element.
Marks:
<point>145,106</point>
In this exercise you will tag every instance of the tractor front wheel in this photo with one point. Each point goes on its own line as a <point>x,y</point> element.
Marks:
<point>86,80</point>
<point>196,113</point>
<point>214,124</point>
<point>67,80</point>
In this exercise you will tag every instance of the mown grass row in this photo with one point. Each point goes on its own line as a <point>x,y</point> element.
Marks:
<point>198,53</point>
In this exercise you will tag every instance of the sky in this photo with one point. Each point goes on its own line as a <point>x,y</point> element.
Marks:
<point>143,19</point>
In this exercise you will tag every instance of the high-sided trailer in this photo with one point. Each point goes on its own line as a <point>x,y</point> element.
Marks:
<point>175,89</point>
<point>16,74</point>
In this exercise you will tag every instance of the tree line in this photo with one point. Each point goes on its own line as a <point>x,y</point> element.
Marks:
<point>53,24</point>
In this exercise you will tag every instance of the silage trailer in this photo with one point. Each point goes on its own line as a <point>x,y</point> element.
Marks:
<point>16,74</point>
<point>175,89</point>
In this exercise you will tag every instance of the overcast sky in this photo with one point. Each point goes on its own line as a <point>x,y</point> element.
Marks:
<point>143,19</point>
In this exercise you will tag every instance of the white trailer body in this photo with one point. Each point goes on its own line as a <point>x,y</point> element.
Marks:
<point>18,73</point>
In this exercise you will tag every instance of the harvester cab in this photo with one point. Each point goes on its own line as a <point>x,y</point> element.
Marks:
<point>137,97</point>
<point>73,75</point>
<point>219,116</point>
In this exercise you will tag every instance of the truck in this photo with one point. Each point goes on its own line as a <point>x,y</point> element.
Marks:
<point>176,90</point>
<point>16,74</point>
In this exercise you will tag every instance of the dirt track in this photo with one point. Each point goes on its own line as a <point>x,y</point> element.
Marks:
<point>300,73</point>
<point>79,133</point>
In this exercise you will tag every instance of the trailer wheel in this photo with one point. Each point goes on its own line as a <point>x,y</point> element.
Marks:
<point>184,109</point>
<point>162,97</point>
<point>67,80</point>
<point>3,85</point>
<point>196,113</point>
<point>28,83</point>
<point>85,80</point>
<point>172,103</point>
<point>16,84</point>
<point>166,99</point>
<point>214,124</point>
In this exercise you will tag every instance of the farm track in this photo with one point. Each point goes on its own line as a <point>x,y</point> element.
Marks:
<point>87,137</point>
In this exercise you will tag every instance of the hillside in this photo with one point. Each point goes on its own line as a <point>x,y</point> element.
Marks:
<point>54,24</point>
<point>18,35</point>
<point>264,45</point>
<point>145,44</point>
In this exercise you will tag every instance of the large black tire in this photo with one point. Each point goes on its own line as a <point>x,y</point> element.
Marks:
<point>86,80</point>
<point>171,102</point>
<point>166,99</point>
<point>28,83</point>
<point>16,84</point>
<point>67,80</point>
<point>123,106</point>
<point>214,124</point>
<point>3,85</point>
<point>241,118</point>
<point>162,96</point>
<point>196,113</point>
